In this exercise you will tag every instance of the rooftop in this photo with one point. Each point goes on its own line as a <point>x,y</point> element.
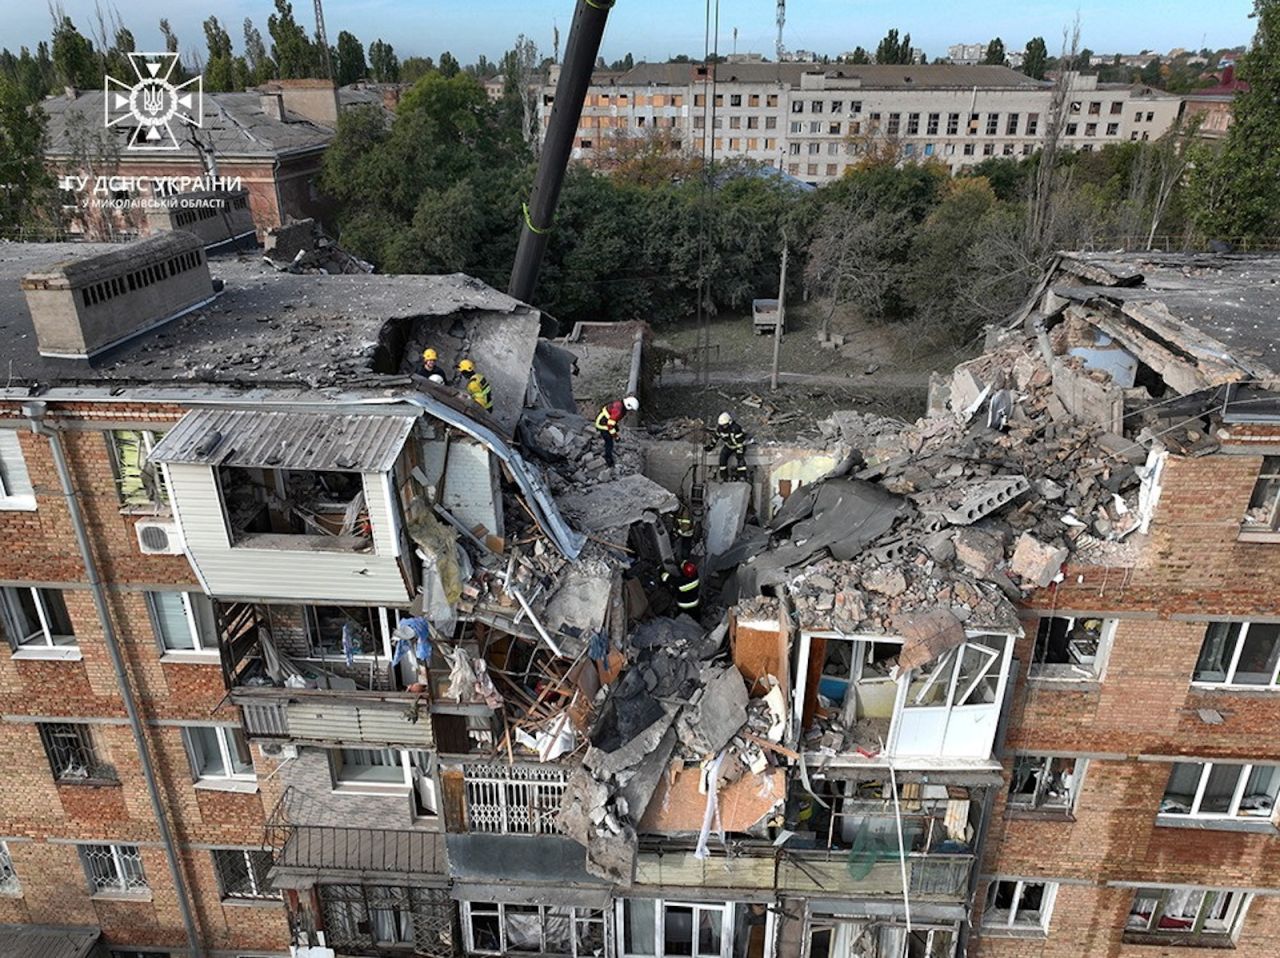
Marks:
<point>234,125</point>
<point>909,77</point>
<point>266,329</point>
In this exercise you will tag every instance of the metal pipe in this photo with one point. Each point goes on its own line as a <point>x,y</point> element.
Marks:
<point>35,413</point>
<point>571,89</point>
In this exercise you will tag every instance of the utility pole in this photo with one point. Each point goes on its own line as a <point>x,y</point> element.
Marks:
<point>782,314</point>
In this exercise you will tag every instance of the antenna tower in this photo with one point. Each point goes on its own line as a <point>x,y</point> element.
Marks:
<point>325,62</point>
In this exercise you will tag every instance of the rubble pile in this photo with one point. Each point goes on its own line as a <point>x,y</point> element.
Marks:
<point>303,247</point>
<point>575,454</point>
<point>674,706</point>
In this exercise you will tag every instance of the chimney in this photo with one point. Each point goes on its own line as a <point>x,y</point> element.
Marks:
<point>1229,75</point>
<point>272,105</point>
<point>82,307</point>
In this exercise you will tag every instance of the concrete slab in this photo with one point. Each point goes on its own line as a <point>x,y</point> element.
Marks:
<point>616,504</point>
<point>726,514</point>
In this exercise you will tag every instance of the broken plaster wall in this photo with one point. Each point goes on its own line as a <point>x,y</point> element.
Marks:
<point>1090,400</point>
<point>469,488</point>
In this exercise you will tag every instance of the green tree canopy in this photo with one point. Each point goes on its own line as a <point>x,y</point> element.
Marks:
<point>73,57</point>
<point>351,64</point>
<point>296,57</point>
<point>449,64</point>
<point>995,53</point>
<point>893,50</point>
<point>25,183</point>
<point>1034,58</point>
<point>384,65</point>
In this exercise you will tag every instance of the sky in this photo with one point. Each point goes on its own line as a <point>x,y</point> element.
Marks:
<point>657,29</point>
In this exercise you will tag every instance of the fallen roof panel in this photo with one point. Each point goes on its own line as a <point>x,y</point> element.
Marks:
<point>286,440</point>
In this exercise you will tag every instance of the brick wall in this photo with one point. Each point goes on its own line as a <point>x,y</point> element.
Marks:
<point>1190,568</point>
<point>40,547</point>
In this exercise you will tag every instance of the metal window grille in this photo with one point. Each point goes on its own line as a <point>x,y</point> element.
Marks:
<point>73,756</point>
<point>116,868</point>
<point>8,877</point>
<point>359,917</point>
<point>513,799</point>
<point>242,873</point>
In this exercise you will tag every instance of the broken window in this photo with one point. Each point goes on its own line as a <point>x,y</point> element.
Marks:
<point>35,618</point>
<point>655,928</point>
<point>1216,790</point>
<point>855,685</point>
<point>1072,647</point>
<point>1264,504</point>
<point>863,816</point>
<point>326,624</point>
<point>966,675</point>
<point>359,917</point>
<point>496,928</point>
<point>1191,915</point>
<point>75,753</point>
<point>139,480</point>
<point>1045,782</point>
<point>328,509</point>
<point>1239,653</point>
<point>833,938</point>
<point>1013,904</point>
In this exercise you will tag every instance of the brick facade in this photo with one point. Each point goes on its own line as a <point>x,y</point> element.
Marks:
<point>1191,569</point>
<point>42,820</point>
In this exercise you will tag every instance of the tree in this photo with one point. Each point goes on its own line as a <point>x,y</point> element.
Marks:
<point>384,65</point>
<point>942,272</point>
<point>859,55</point>
<point>73,57</point>
<point>171,45</point>
<point>351,64</point>
<point>295,55</point>
<point>220,72</point>
<point>449,65</point>
<point>25,183</point>
<point>1034,58</point>
<point>995,53</point>
<point>260,66</point>
<point>414,68</point>
<point>1236,193</point>
<point>1151,74</point>
<point>893,50</point>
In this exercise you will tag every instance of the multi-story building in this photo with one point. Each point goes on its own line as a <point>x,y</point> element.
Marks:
<point>814,121</point>
<point>1211,108</point>
<point>307,658</point>
<point>967,54</point>
<point>271,140</point>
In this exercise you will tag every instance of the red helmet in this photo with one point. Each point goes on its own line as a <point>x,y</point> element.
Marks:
<point>689,569</point>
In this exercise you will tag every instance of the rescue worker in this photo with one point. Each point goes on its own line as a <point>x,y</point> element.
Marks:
<point>733,445</point>
<point>477,385</point>
<point>608,420</point>
<point>431,364</point>
<point>684,530</point>
<point>687,587</point>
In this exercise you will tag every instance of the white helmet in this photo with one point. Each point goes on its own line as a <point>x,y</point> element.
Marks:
<point>632,403</point>
<point>724,419</point>
<point>436,378</point>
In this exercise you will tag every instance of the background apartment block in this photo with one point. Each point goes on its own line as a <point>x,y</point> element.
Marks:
<point>811,122</point>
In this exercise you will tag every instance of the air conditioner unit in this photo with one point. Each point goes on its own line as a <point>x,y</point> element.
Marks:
<point>279,750</point>
<point>157,537</point>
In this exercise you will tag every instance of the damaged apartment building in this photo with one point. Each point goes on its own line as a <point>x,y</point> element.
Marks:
<point>313,656</point>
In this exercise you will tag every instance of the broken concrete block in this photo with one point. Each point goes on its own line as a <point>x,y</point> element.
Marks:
<point>980,552</point>
<point>726,514</point>
<point>887,580</point>
<point>926,635</point>
<point>1035,562</point>
<point>719,714</point>
<point>967,503</point>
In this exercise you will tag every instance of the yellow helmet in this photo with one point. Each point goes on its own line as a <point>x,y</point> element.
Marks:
<point>428,353</point>
<point>466,366</point>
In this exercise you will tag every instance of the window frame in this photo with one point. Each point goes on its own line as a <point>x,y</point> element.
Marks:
<point>1239,902</point>
<point>26,645</point>
<point>223,736</point>
<point>201,645</point>
<point>17,494</point>
<point>118,854</point>
<point>727,911</point>
<point>1268,478</point>
<point>1233,667</point>
<point>1039,801</point>
<point>1234,811</point>
<point>1012,925</point>
<point>98,769</point>
<point>1036,669</point>
<point>578,916</point>
<point>259,889</point>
